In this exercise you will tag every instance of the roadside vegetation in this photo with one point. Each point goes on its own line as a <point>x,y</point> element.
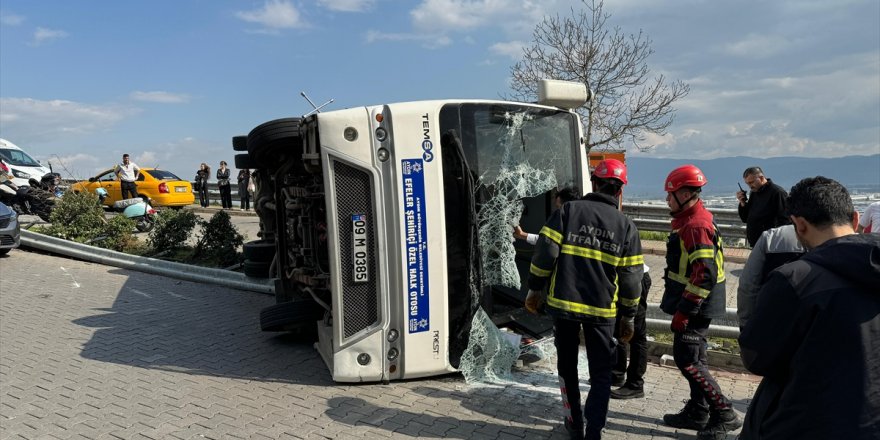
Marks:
<point>179,235</point>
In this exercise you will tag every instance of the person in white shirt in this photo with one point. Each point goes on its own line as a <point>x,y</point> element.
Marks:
<point>566,194</point>
<point>870,220</point>
<point>128,173</point>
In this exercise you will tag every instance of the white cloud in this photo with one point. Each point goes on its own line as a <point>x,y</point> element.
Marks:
<point>448,15</point>
<point>758,46</point>
<point>428,41</point>
<point>160,97</point>
<point>45,35</point>
<point>11,19</point>
<point>511,49</point>
<point>78,166</point>
<point>274,15</point>
<point>32,120</point>
<point>146,159</point>
<point>348,5</point>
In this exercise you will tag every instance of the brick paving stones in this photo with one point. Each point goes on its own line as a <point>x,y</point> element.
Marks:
<point>93,352</point>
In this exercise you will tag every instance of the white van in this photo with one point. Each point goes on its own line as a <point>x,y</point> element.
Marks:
<point>19,164</point>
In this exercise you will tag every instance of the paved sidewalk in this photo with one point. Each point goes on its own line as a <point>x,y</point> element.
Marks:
<point>93,352</point>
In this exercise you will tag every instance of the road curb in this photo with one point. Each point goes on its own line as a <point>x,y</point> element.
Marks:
<point>154,266</point>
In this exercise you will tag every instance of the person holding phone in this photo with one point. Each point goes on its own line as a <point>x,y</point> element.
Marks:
<point>764,208</point>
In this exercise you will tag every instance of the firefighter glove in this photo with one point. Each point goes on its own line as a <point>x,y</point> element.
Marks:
<point>534,300</point>
<point>626,328</point>
<point>679,322</point>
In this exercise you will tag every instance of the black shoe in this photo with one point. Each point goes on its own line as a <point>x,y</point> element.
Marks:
<point>692,416</point>
<point>627,391</point>
<point>720,423</point>
<point>574,432</point>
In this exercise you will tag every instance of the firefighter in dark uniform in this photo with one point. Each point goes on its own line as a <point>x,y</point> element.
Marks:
<point>591,256</point>
<point>694,294</point>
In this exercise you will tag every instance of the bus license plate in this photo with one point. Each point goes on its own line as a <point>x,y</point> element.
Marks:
<point>360,251</point>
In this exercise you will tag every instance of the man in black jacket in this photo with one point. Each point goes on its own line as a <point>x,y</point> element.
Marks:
<point>765,206</point>
<point>815,333</point>
<point>590,254</point>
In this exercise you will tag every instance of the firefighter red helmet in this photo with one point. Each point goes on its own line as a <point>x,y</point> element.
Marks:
<point>610,169</point>
<point>685,175</point>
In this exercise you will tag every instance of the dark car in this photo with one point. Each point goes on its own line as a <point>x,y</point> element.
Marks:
<point>10,233</point>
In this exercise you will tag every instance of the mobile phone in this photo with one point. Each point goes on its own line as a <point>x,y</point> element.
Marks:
<point>744,191</point>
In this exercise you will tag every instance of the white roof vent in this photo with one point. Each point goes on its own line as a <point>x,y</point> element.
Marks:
<point>563,94</point>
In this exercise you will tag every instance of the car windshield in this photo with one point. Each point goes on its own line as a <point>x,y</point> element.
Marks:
<point>17,157</point>
<point>162,175</point>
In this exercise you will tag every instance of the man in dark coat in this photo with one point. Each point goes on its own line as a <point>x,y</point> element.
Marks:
<point>764,208</point>
<point>815,333</point>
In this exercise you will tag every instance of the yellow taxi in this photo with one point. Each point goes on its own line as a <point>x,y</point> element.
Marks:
<point>157,187</point>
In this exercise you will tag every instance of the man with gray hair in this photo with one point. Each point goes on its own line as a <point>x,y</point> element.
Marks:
<point>764,208</point>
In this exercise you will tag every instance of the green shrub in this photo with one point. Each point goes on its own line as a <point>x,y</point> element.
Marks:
<point>219,242</point>
<point>172,229</point>
<point>79,217</point>
<point>118,234</point>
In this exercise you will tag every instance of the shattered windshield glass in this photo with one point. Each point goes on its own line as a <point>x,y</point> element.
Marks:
<point>513,152</point>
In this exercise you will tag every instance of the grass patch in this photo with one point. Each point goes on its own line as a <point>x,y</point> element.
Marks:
<point>725,345</point>
<point>653,235</point>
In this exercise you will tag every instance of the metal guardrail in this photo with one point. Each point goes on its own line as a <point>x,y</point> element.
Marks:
<point>154,266</point>
<point>656,218</point>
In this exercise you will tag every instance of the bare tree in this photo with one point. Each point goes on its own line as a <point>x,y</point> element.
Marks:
<point>627,104</point>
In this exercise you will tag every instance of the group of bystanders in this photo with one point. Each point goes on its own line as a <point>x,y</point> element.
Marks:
<point>224,185</point>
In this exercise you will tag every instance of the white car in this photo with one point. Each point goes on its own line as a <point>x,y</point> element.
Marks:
<point>19,164</point>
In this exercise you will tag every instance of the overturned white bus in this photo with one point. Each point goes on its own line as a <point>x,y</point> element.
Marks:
<point>375,213</point>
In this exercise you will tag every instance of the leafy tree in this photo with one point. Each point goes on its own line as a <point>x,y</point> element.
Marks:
<point>627,102</point>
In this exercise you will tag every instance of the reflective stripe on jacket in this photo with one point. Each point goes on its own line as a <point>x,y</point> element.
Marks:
<point>591,256</point>
<point>694,275</point>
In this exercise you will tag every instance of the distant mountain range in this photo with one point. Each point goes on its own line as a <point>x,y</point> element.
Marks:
<point>857,173</point>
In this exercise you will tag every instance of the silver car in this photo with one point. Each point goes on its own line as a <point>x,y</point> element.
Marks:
<point>10,233</point>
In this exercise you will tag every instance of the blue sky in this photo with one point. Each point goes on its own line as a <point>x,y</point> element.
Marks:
<point>172,81</point>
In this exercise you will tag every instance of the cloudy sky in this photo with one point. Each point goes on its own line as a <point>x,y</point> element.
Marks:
<point>172,81</point>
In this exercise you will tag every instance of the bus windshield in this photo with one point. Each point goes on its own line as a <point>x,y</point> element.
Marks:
<point>494,136</point>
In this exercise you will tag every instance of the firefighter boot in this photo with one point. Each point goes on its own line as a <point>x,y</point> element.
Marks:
<point>720,423</point>
<point>575,432</point>
<point>692,416</point>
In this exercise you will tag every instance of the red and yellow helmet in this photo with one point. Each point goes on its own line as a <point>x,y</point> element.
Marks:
<point>685,175</point>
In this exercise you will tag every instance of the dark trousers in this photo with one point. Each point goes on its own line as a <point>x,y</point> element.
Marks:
<point>638,351</point>
<point>600,350</point>
<point>129,189</point>
<point>689,351</point>
<point>244,197</point>
<point>203,195</point>
<point>226,196</point>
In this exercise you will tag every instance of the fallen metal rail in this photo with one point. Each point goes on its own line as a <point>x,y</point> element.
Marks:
<point>154,266</point>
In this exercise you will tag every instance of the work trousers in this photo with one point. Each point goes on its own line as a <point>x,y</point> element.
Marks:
<point>600,349</point>
<point>129,190</point>
<point>638,350</point>
<point>689,351</point>
<point>225,196</point>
